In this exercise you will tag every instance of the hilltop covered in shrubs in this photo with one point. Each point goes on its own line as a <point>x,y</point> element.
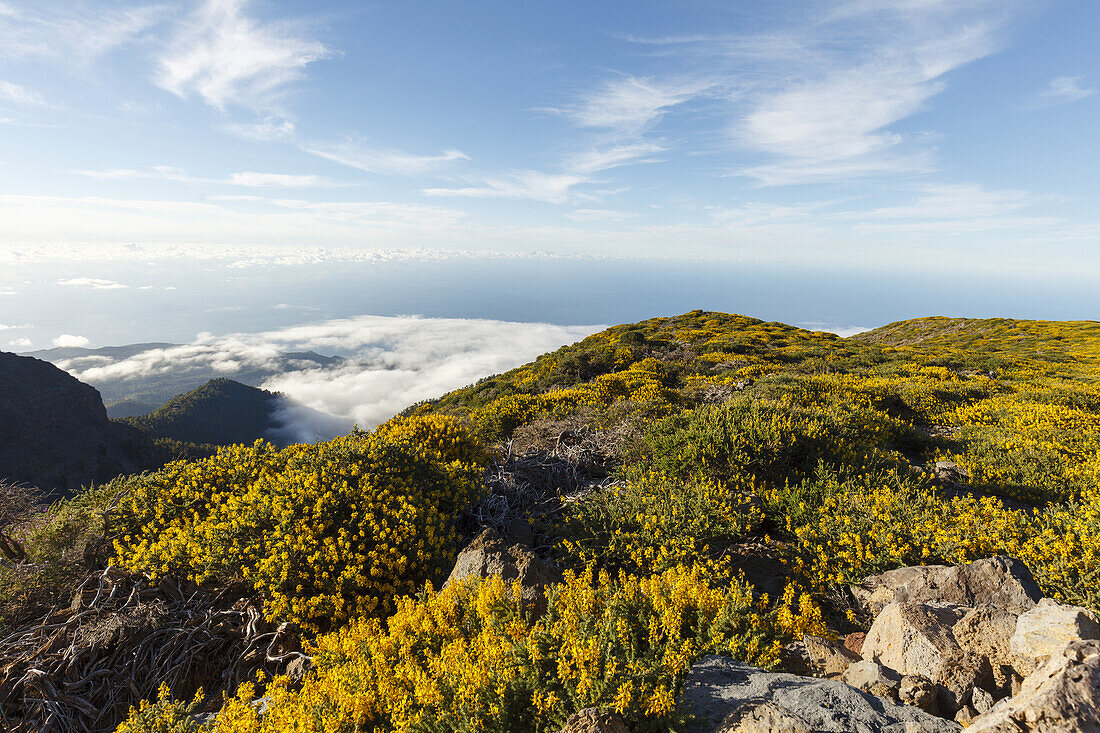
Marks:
<point>706,484</point>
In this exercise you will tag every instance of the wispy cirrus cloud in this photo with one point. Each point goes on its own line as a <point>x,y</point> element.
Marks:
<point>1062,90</point>
<point>555,187</point>
<point>21,96</point>
<point>268,130</point>
<point>94,283</point>
<point>600,215</point>
<point>225,56</point>
<point>629,104</point>
<point>821,114</point>
<point>958,208</point>
<point>247,179</point>
<point>77,32</point>
<point>381,160</point>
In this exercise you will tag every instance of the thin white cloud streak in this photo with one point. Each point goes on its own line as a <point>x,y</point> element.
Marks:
<point>625,108</point>
<point>1063,90</point>
<point>21,343</point>
<point>232,221</point>
<point>820,99</point>
<point>21,96</point>
<point>555,188</point>
<point>630,104</point>
<point>269,130</point>
<point>958,208</point>
<point>958,201</point>
<point>598,215</point>
<point>92,282</point>
<point>380,160</point>
<point>6,327</point>
<point>247,179</point>
<point>387,364</point>
<point>74,33</point>
<point>67,340</point>
<point>227,57</point>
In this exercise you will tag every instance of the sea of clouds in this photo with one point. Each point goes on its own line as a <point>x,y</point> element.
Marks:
<point>387,364</point>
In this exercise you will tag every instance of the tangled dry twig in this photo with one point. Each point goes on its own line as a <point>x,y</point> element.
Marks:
<point>82,669</point>
<point>538,483</point>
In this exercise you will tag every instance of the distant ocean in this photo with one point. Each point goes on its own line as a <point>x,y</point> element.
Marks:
<point>173,301</point>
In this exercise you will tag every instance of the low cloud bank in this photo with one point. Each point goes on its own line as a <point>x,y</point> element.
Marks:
<point>384,364</point>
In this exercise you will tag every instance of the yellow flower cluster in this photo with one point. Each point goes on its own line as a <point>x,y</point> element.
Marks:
<point>655,522</point>
<point>472,658</point>
<point>879,521</point>
<point>163,716</point>
<point>326,532</point>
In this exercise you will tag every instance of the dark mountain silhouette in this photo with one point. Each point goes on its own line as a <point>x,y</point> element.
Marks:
<point>220,412</point>
<point>55,434</point>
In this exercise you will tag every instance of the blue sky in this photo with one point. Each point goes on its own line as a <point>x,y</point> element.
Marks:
<point>893,133</point>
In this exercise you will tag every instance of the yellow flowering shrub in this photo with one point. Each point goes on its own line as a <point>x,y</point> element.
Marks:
<point>164,715</point>
<point>878,521</point>
<point>441,437</point>
<point>654,522</point>
<point>326,532</point>
<point>471,658</point>
<point>769,441</point>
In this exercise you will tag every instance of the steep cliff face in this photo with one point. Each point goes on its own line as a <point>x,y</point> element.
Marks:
<point>54,430</point>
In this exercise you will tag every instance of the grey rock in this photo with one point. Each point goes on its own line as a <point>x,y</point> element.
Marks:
<point>988,631</point>
<point>949,472</point>
<point>957,677</point>
<point>795,658</point>
<point>488,555</point>
<point>1062,695</point>
<point>731,697</point>
<point>595,720</point>
<point>913,638</point>
<point>965,714</point>
<point>1002,582</point>
<point>919,691</point>
<point>872,677</point>
<point>981,700</point>
<point>299,667</point>
<point>1046,629</point>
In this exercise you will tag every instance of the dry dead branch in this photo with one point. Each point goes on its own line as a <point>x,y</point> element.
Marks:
<point>81,669</point>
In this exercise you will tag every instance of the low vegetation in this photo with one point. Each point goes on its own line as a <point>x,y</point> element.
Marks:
<point>727,438</point>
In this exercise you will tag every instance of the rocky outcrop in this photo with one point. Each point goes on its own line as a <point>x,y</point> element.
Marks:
<point>913,638</point>
<point>872,677</point>
<point>730,697</point>
<point>957,660</point>
<point>488,555</point>
<point>54,431</point>
<point>595,720</point>
<point>827,656</point>
<point>987,631</point>
<point>1046,629</point>
<point>1062,695</point>
<point>1002,582</point>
